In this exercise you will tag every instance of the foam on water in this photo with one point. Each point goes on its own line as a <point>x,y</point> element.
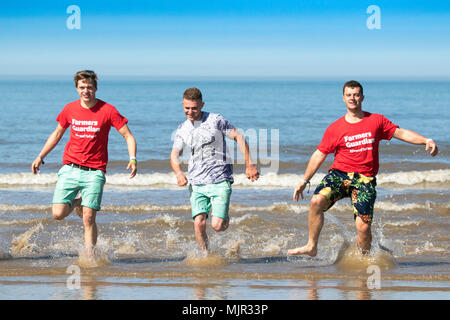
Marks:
<point>269,180</point>
<point>427,247</point>
<point>247,219</point>
<point>164,219</point>
<point>280,207</point>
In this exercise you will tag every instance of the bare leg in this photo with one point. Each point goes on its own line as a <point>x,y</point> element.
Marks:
<point>315,223</point>
<point>200,232</point>
<point>90,230</point>
<point>364,235</point>
<point>76,205</point>
<point>62,210</point>
<point>219,224</point>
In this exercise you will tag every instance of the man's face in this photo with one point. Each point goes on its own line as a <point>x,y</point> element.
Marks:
<point>86,89</point>
<point>353,98</point>
<point>193,109</point>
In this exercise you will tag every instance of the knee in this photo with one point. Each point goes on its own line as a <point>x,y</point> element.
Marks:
<point>58,215</point>
<point>219,226</point>
<point>200,221</point>
<point>58,212</point>
<point>363,229</point>
<point>319,201</point>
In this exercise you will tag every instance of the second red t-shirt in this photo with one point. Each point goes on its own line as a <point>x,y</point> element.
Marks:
<point>356,144</point>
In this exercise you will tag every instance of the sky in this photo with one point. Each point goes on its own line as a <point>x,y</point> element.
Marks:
<point>260,39</point>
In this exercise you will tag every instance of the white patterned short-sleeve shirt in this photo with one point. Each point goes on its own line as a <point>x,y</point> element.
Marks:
<point>205,139</point>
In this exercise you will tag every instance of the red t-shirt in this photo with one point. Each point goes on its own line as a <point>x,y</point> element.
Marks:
<point>88,143</point>
<point>355,145</point>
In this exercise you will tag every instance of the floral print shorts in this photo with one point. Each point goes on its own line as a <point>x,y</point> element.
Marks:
<point>361,189</point>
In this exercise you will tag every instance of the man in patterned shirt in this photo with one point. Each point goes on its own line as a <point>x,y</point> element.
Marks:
<point>210,171</point>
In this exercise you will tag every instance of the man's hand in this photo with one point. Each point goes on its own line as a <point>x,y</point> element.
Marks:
<point>35,165</point>
<point>299,190</point>
<point>133,166</point>
<point>181,179</point>
<point>431,144</point>
<point>251,172</point>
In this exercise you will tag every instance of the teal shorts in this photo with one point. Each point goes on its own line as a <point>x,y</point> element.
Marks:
<point>73,180</point>
<point>207,196</point>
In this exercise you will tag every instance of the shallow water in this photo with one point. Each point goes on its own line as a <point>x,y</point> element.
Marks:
<point>146,245</point>
<point>150,247</point>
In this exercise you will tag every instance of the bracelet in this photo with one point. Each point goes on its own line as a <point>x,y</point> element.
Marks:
<point>428,140</point>
<point>307,182</point>
<point>179,173</point>
<point>133,159</point>
<point>42,159</point>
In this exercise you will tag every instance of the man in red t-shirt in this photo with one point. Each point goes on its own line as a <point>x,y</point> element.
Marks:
<point>85,155</point>
<point>354,140</point>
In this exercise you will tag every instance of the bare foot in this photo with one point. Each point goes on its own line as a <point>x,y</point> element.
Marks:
<point>76,205</point>
<point>312,252</point>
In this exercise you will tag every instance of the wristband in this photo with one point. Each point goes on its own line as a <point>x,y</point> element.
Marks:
<point>428,140</point>
<point>133,159</point>
<point>307,182</point>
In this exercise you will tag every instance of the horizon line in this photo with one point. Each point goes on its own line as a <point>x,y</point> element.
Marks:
<point>227,77</point>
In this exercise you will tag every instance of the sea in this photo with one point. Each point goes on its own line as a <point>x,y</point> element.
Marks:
<point>146,246</point>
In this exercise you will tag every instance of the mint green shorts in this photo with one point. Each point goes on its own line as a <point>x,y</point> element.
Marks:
<point>73,180</point>
<point>207,196</point>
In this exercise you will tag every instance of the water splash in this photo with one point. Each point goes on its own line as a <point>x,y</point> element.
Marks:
<point>345,233</point>
<point>21,244</point>
<point>99,258</point>
<point>352,260</point>
<point>233,248</point>
<point>172,237</point>
<point>202,261</point>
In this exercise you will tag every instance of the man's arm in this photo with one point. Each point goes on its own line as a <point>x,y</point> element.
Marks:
<point>52,141</point>
<point>415,138</point>
<point>175,163</point>
<point>314,164</point>
<point>250,170</point>
<point>131,144</point>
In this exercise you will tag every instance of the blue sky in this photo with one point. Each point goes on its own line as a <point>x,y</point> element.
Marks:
<point>304,39</point>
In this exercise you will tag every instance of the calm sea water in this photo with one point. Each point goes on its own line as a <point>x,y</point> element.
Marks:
<point>147,249</point>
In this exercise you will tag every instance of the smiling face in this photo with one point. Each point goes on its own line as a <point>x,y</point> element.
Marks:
<point>193,109</point>
<point>353,98</point>
<point>86,89</point>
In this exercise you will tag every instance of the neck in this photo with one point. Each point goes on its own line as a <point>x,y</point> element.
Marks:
<point>354,116</point>
<point>88,104</point>
<point>199,118</point>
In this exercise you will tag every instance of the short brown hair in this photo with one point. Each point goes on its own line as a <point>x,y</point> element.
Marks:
<point>85,74</point>
<point>352,84</point>
<point>193,94</point>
